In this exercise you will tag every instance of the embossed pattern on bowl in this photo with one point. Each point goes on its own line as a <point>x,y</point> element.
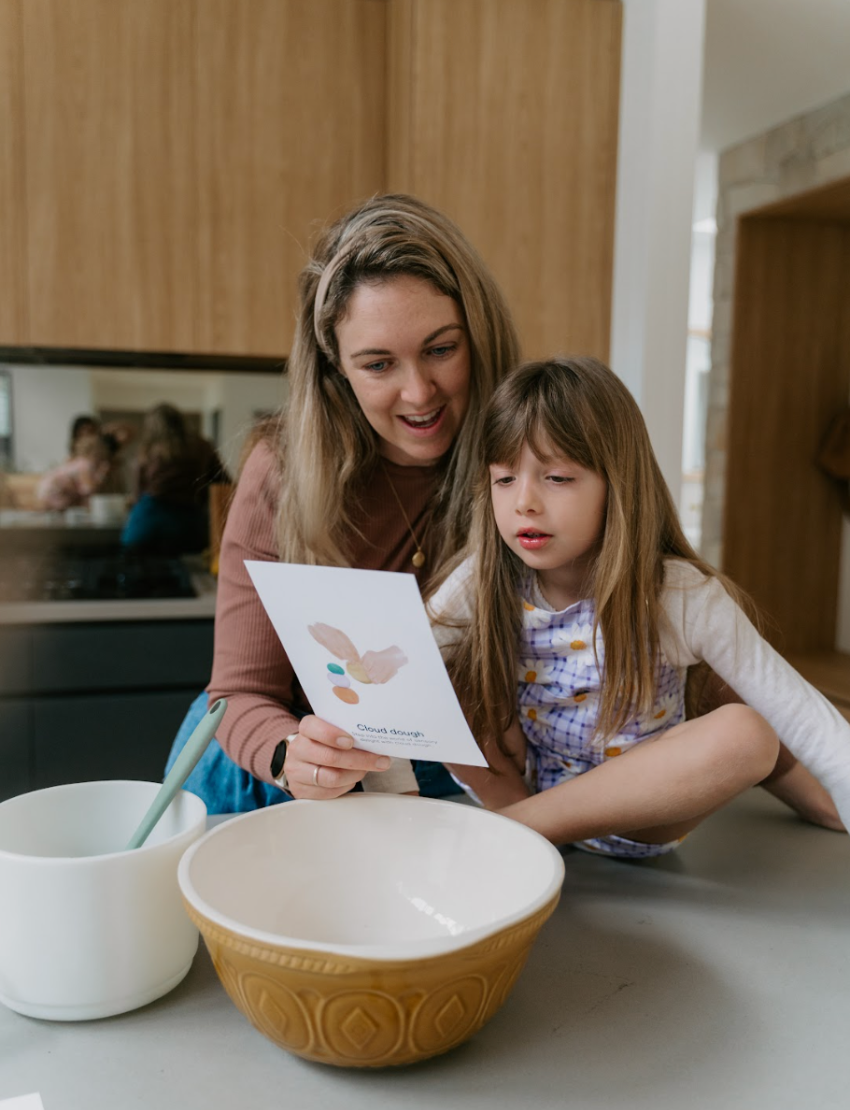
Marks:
<point>371,930</point>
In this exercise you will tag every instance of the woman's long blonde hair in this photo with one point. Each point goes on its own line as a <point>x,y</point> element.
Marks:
<point>327,445</point>
<point>577,408</point>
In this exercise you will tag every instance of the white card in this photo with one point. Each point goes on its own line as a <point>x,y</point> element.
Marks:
<point>361,645</point>
<point>23,1102</point>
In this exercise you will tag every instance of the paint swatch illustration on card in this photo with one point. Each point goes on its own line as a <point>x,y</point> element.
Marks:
<point>372,668</point>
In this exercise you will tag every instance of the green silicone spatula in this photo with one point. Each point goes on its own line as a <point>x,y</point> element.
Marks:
<point>183,766</point>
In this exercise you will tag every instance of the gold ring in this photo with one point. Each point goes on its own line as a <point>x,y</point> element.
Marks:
<point>315,776</point>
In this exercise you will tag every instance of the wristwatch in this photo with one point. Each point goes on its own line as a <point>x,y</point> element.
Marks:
<point>278,768</point>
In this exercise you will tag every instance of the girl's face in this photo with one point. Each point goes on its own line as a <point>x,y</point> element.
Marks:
<point>551,514</point>
<point>404,349</point>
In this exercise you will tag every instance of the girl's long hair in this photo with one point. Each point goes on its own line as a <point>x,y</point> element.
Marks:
<point>577,408</point>
<point>327,446</point>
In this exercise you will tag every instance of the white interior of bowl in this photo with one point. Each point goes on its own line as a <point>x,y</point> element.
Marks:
<point>85,819</point>
<point>382,876</point>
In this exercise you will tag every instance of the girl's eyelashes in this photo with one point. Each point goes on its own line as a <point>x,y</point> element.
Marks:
<point>377,367</point>
<point>444,350</point>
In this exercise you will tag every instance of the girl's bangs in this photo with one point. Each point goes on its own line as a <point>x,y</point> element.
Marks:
<point>532,420</point>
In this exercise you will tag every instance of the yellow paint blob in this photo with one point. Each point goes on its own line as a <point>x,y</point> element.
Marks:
<point>356,669</point>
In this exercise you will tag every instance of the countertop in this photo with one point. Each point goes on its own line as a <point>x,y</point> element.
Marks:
<point>715,977</point>
<point>200,607</point>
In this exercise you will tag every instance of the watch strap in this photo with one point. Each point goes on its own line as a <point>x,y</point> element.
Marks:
<point>278,764</point>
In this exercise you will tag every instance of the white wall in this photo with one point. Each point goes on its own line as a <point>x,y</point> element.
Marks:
<point>241,398</point>
<point>659,136</point>
<point>45,400</point>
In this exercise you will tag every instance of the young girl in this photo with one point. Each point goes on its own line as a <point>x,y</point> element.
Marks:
<point>569,629</point>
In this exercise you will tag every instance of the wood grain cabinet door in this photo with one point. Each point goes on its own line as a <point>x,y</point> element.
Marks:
<point>177,157</point>
<point>111,179</point>
<point>291,133</point>
<point>504,113</point>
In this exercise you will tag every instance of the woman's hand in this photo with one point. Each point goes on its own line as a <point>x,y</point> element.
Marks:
<point>322,762</point>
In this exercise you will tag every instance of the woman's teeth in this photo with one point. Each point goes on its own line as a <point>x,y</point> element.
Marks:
<point>423,421</point>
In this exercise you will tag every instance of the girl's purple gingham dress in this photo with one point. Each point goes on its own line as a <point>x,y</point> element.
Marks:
<point>558,694</point>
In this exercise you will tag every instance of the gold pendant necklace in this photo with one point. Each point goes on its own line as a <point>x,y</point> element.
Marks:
<point>418,557</point>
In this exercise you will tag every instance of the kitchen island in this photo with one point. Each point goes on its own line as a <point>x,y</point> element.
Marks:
<point>716,977</point>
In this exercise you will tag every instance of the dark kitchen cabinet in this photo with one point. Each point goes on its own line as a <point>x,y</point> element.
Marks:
<point>90,701</point>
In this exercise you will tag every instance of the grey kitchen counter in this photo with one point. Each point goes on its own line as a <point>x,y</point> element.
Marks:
<point>84,612</point>
<point>718,977</point>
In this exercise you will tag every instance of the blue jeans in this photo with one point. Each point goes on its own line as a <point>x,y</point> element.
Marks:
<point>225,787</point>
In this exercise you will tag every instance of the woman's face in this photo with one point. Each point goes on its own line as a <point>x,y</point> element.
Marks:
<point>404,349</point>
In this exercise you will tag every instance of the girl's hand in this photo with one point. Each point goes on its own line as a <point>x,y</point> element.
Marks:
<point>322,762</point>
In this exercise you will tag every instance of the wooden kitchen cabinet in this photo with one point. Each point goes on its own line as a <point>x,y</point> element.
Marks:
<point>290,132</point>
<point>14,323</point>
<point>98,700</point>
<point>111,173</point>
<point>504,113</point>
<point>165,163</point>
<point>175,157</point>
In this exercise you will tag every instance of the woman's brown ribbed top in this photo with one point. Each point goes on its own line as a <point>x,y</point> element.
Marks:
<point>250,667</point>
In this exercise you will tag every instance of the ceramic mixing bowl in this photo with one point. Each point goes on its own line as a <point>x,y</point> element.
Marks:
<point>88,929</point>
<point>372,929</point>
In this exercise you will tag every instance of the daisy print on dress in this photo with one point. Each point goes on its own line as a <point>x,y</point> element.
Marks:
<point>665,709</point>
<point>536,670</point>
<point>534,618</point>
<point>576,643</point>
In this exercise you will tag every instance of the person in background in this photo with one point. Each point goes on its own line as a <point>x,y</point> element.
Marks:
<point>82,427</point>
<point>174,470</point>
<point>92,468</point>
<point>569,626</point>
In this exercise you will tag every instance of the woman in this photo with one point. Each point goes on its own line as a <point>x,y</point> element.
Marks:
<point>401,337</point>
<point>174,471</point>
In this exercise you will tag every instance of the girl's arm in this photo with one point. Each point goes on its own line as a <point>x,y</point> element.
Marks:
<point>502,783</point>
<point>706,624</point>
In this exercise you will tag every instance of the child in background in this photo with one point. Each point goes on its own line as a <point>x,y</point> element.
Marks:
<point>90,470</point>
<point>569,629</point>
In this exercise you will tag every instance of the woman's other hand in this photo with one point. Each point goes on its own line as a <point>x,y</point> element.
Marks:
<point>322,762</point>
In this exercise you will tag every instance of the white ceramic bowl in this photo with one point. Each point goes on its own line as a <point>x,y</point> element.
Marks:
<point>373,929</point>
<point>88,929</point>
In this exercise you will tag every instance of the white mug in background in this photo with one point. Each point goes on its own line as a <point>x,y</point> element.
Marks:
<point>108,509</point>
